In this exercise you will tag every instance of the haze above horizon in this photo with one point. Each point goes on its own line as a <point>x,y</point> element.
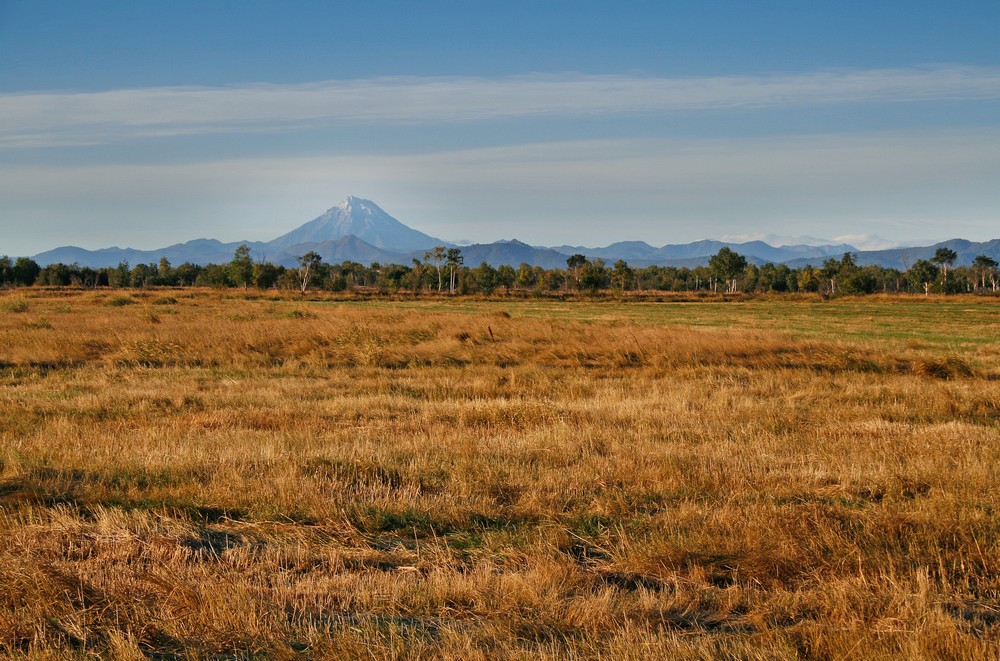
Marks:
<point>583,123</point>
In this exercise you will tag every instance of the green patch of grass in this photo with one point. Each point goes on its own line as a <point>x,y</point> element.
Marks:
<point>407,522</point>
<point>589,525</point>
<point>120,301</point>
<point>16,306</point>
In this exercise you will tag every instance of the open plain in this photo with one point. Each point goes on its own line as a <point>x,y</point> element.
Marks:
<point>200,474</point>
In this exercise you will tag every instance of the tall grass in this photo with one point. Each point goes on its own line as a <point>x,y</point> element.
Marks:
<point>245,477</point>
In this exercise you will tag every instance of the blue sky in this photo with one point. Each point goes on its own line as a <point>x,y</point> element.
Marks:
<point>149,123</point>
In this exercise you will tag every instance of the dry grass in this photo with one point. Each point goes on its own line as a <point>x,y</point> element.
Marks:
<point>192,475</point>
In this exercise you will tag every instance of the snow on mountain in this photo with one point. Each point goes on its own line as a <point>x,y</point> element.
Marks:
<point>363,219</point>
<point>853,242</point>
<point>777,240</point>
<point>872,242</point>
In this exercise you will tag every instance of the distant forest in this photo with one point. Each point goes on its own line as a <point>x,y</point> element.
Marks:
<point>443,270</point>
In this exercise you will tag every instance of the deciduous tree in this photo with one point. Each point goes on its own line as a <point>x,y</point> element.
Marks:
<point>924,273</point>
<point>485,278</point>
<point>25,271</point>
<point>437,257</point>
<point>986,266</point>
<point>455,261</point>
<point>727,265</point>
<point>594,275</point>
<point>573,265</point>
<point>265,275</point>
<point>622,275</point>
<point>241,267</point>
<point>944,257</point>
<point>308,264</point>
<point>165,273</point>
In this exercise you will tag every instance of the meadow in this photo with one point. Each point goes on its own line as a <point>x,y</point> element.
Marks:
<point>201,474</point>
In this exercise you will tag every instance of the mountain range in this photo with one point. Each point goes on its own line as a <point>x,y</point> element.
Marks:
<point>359,230</point>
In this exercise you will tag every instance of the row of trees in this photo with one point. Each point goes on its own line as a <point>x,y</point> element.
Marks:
<point>443,269</point>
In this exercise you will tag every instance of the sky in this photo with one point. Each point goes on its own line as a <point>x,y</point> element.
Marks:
<point>143,124</point>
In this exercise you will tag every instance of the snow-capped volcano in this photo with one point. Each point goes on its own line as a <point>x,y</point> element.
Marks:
<point>364,219</point>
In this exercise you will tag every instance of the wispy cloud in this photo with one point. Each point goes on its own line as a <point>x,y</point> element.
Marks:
<point>80,118</point>
<point>859,241</point>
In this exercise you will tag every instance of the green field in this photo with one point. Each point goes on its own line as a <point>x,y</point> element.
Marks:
<point>942,324</point>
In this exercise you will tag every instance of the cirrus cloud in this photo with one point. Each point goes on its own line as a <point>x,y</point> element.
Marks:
<point>66,118</point>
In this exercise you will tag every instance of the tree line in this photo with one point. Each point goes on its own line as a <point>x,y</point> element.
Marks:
<point>443,270</point>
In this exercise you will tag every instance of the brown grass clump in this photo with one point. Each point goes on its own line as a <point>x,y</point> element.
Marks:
<point>193,475</point>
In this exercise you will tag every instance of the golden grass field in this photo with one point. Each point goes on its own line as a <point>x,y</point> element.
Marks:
<point>202,474</point>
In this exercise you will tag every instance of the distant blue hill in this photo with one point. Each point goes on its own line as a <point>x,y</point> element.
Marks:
<point>358,230</point>
<point>512,253</point>
<point>639,253</point>
<point>198,251</point>
<point>903,258</point>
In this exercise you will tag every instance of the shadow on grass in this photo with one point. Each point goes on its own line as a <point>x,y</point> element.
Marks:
<point>89,491</point>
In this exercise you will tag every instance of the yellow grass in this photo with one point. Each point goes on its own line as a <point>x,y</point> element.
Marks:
<point>192,475</point>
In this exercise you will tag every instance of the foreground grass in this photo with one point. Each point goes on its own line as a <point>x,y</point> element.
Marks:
<point>185,474</point>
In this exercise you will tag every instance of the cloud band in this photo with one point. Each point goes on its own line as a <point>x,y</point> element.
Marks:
<point>63,118</point>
